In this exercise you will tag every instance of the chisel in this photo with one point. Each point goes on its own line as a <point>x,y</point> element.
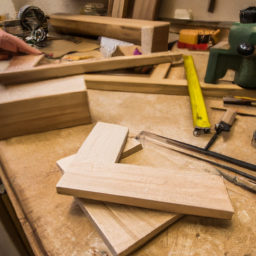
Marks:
<point>224,125</point>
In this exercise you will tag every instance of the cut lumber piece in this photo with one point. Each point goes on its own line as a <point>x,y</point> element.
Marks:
<point>76,68</point>
<point>145,9</point>
<point>151,35</point>
<point>119,8</point>
<point>160,71</point>
<point>154,188</point>
<point>132,146</point>
<point>43,106</point>
<point>160,86</point>
<point>24,62</point>
<point>123,228</point>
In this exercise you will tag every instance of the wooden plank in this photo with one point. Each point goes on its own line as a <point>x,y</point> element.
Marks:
<point>161,86</point>
<point>43,106</point>
<point>177,73</point>
<point>153,188</point>
<point>123,228</point>
<point>24,62</point>
<point>160,71</point>
<point>145,9</point>
<point>76,68</point>
<point>151,35</point>
<point>120,8</point>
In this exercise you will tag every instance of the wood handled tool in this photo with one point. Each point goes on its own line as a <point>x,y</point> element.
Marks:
<point>224,125</point>
<point>239,101</point>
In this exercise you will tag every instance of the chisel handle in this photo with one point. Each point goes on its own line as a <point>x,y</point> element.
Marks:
<point>229,116</point>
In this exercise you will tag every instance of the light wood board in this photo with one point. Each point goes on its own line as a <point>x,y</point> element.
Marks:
<point>43,106</point>
<point>80,67</point>
<point>123,228</point>
<point>161,86</point>
<point>151,35</point>
<point>24,62</point>
<point>154,188</point>
<point>160,71</point>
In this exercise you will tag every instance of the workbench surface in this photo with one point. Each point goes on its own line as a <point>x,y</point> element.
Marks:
<point>55,225</point>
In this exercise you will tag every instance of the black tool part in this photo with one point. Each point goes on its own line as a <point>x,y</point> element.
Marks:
<point>222,126</point>
<point>221,166</point>
<point>211,6</point>
<point>248,15</point>
<point>245,49</point>
<point>202,151</point>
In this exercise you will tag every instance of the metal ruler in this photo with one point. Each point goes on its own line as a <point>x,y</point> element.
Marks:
<point>199,112</point>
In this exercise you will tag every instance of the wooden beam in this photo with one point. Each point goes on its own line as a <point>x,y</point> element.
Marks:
<point>151,35</point>
<point>123,228</point>
<point>153,188</point>
<point>76,68</point>
<point>43,106</point>
<point>161,86</point>
<point>120,8</point>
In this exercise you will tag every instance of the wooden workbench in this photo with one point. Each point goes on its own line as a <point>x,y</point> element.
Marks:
<point>56,226</point>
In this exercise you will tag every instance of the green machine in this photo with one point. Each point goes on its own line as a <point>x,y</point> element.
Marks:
<point>239,56</point>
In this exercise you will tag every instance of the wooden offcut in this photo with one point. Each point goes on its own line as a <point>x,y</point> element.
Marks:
<point>151,35</point>
<point>153,188</point>
<point>123,228</point>
<point>76,68</point>
<point>160,86</point>
<point>24,62</point>
<point>160,71</point>
<point>43,106</point>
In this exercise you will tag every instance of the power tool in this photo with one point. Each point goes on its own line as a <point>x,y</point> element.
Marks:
<point>238,55</point>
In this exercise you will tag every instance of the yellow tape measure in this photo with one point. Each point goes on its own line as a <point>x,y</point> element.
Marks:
<point>199,112</point>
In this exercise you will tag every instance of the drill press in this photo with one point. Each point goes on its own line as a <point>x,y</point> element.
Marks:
<point>239,55</point>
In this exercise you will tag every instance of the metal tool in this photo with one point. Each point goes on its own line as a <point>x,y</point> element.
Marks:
<point>224,125</point>
<point>254,139</point>
<point>239,101</point>
<point>200,116</point>
<point>239,55</point>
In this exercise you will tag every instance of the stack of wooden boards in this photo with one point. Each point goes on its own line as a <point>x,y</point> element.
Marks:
<point>93,173</point>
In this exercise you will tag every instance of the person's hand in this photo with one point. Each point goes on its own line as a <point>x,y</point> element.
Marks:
<point>13,44</point>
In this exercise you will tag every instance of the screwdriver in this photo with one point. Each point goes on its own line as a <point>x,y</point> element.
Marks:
<point>224,125</point>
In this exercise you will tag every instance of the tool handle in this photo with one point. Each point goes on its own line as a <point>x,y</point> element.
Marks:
<point>211,6</point>
<point>227,100</point>
<point>229,116</point>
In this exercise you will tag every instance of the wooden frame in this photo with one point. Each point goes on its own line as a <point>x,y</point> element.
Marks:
<point>151,35</point>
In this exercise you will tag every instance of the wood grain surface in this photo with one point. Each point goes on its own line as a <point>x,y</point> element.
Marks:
<point>154,188</point>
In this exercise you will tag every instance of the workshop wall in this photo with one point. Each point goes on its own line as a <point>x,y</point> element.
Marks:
<point>48,6</point>
<point>7,7</point>
<point>227,10</point>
